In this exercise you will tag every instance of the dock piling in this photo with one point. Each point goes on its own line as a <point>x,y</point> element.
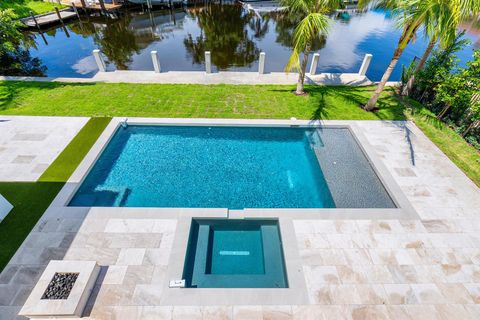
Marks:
<point>261,63</point>
<point>313,66</point>
<point>36,22</point>
<point>75,9</point>
<point>99,60</point>
<point>365,64</point>
<point>156,61</point>
<point>208,62</point>
<point>59,16</point>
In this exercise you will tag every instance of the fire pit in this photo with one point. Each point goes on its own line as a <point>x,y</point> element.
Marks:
<point>60,286</point>
<point>62,291</point>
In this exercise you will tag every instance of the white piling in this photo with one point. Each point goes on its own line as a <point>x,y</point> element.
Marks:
<point>208,62</point>
<point>313,66</point>
<point>365,64</point>
<point>99,60</point>
<point>156,62</point>
<point>261,63</point>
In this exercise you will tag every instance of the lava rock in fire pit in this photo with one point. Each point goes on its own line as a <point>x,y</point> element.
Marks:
<point>60,286</point>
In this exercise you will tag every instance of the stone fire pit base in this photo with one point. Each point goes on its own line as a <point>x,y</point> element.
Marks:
<point>74,281</point>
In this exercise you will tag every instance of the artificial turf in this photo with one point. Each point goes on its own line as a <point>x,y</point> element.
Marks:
<point>31,199</point>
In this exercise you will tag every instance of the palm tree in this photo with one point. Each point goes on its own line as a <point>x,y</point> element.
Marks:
<point>411,18</point>
<point>442,28</point>
<point>313,26</point>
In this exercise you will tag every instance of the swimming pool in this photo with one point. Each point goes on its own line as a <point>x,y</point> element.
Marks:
<point>232,167</point>
<point>227,253</point>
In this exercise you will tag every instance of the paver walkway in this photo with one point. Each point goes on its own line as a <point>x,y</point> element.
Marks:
<point>427,268</point>
<point>28,145</point>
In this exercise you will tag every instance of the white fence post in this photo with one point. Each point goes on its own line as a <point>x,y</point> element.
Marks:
<point>208,62</point>
<point>313,66</point>
<point>261,63</point>
<point>156,61</point>
<point>99,60</point>
<point>365,64</point>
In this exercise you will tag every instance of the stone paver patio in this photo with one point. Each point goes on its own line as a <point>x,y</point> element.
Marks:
<point>427,268</point>
<point>28,145</point>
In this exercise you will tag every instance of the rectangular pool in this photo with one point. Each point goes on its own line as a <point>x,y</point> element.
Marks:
<point>232,167</point>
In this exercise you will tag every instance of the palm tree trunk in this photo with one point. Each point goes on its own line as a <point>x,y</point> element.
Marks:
<point>472,125</point>
<point>301,74</point>
<point>443,112</point>
<point>381,85</point>
<point>408,88</point>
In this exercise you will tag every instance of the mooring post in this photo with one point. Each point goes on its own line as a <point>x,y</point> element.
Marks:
<point>99,60</point>
<point>59,16</point>
<point>365,64</point>
<point>208,62</point>
<point>102,5</point>
<point>36,22</point>
<point>313,66</point>
<point>76,11</point>
<point>156,61</point>
<point>261,63</point>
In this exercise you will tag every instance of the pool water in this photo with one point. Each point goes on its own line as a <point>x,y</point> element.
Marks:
<point>221,167</point>
<point>234,35</point>
<point>231,253</point>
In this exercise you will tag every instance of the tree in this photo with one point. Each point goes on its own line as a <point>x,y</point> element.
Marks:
<point>442,28</point>
<point>313,26</point>
<point>10,35</point>
<point>411,15</point>
<point>15,59</point>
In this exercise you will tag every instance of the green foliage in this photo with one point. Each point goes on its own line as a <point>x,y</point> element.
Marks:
<point>457,92</point>
<point>436,70</point>
<point>15,59</point>
<point>450,92</point>
<point>10,36</point>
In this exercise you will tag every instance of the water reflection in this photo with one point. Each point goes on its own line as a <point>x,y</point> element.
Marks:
<point>234,35</point>
<point>223,32</point>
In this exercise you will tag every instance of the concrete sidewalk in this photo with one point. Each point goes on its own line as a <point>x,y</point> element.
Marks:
<point>198,77</point>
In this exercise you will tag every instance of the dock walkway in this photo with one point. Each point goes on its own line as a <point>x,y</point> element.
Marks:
<point>49,18</point>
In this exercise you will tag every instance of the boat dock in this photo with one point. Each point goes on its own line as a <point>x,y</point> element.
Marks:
<point>93,5</point>
<point>49,18</point>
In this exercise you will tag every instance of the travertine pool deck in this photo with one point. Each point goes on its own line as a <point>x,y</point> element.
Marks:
<point>425,268</point>
<point>28,145</point>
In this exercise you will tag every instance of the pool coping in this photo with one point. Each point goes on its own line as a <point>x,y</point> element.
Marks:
<point>404,209</point>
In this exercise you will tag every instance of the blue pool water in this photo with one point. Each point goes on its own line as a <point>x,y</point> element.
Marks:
<point>224,167</point>
<point>234,254</point>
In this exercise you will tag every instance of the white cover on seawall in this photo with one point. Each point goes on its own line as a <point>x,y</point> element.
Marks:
<point>5,207</point>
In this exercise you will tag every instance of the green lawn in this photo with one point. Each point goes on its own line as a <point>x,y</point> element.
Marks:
<point>23,7</point>
<point>216,101</point>
<point>30,200</point>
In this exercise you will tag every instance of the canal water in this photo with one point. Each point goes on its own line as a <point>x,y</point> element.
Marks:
<point>234,35</point>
